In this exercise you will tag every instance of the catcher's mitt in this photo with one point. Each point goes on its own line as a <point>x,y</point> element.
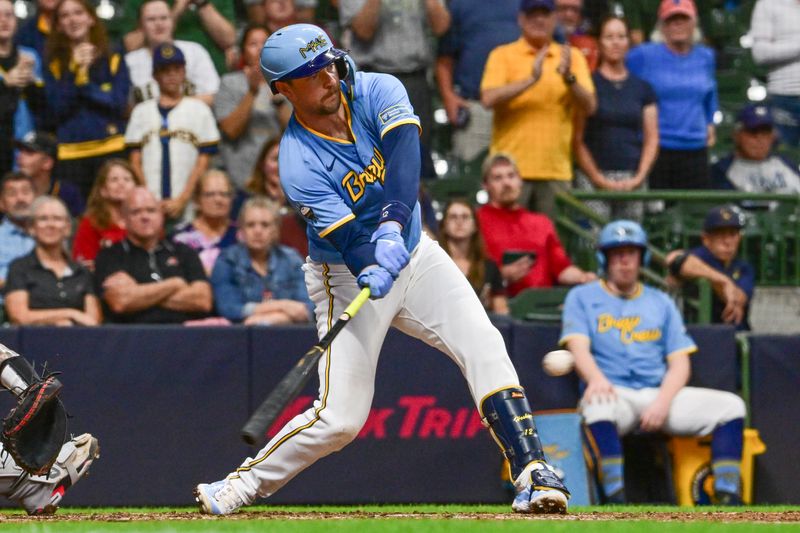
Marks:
<point>35,430</point>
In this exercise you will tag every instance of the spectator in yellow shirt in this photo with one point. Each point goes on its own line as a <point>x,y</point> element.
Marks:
<point>535,86</point>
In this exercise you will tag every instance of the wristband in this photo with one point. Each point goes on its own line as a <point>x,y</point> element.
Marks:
<point>396,211</point>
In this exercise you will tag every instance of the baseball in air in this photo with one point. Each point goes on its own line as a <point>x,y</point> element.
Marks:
<point>558,362</point>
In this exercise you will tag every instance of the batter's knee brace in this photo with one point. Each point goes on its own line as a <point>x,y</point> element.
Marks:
<point>510,421</point>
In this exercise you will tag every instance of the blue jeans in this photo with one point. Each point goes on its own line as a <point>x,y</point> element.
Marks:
<point>786,113</point>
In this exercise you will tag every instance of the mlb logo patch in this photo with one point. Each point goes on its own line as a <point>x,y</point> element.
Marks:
<point>391,114</point>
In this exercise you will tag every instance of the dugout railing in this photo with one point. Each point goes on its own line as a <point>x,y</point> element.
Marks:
<point>771,237</point>
<point>578,226</point>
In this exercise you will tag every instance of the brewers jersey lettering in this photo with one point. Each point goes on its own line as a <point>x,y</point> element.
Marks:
<point>631,338</point>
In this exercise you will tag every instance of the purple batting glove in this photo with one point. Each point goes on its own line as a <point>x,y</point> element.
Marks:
<point>390,249</point>
<point>377,279</point>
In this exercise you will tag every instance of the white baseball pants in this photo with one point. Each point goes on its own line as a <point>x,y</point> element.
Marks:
<point>694,411</point>
<point>432,301</point>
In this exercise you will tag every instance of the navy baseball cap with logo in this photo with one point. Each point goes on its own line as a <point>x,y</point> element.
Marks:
<point>167,54</point>
<point>39,141</point>
<point>530,5</point>
<point>754,117</point>
<point>723,216</point>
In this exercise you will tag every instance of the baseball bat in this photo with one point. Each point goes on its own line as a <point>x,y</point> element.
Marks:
<point>292,383</point>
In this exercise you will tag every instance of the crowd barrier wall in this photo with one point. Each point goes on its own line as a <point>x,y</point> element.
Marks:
<point>167,404</point>
<point>774,408</point>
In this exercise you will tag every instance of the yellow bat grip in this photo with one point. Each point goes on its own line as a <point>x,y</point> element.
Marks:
<point>357,302</point>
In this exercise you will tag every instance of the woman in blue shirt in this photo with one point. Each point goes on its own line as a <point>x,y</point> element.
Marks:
<point>616,147</point>
<point>258,281</point>
<point>682,75</point>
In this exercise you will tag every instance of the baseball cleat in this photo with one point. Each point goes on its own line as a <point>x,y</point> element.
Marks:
<point>218,498</point>
<point>73,463</point>
<point>540,491</point>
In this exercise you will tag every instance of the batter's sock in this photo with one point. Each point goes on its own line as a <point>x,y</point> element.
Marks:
<point>726,456</point>
<point>612,471</point>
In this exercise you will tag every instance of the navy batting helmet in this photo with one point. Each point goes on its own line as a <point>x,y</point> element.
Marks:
<point>621,233</point>
<point>298,51</point>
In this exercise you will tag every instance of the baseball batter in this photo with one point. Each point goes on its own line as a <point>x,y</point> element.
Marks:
<point>632,351</point>
<point>350,162</point>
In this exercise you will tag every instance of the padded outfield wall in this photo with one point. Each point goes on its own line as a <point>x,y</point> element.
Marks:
<point>167,404</point>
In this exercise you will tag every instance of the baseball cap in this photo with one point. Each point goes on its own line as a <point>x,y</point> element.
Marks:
<point>167,54</point>
<point>723,216</point>
<point>530,5</point>
<point>669,8</point>
<point>39,141</point>
<point>753,116</point>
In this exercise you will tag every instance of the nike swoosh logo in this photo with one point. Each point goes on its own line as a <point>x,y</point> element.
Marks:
<point>330,167</point>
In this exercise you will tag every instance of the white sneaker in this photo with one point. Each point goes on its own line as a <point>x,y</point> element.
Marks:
<point>72,463</point>
<point>217,498</point>
<point>540,491</point>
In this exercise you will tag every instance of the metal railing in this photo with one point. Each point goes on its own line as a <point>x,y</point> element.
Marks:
<point>770,240</point>
<point>579,224</point>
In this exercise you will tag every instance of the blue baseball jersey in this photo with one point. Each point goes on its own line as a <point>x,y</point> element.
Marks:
<point>332,181</point>
<point>631,338</point>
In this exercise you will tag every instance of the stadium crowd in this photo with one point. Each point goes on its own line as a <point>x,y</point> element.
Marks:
<point>139,149</point>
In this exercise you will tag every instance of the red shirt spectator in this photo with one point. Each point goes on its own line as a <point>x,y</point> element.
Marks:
<point>89,239</point>
<point>524,244</point>
<point>518,230</point>
<point>102,225</point>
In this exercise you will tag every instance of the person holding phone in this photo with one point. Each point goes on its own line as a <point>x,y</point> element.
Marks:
<point>524,244</point>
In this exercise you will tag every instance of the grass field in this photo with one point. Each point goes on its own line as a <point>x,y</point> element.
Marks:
<point>411,518</point>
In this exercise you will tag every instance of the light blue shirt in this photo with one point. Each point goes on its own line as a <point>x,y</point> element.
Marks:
<point>238,288</point>
<point>331,181</point>
<point>686,87</point>
<point>14,243</point>
<point>631,338</point>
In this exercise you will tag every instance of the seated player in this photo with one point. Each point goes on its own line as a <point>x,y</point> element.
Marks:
<point>732,278</point>
<point>632,353</point>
